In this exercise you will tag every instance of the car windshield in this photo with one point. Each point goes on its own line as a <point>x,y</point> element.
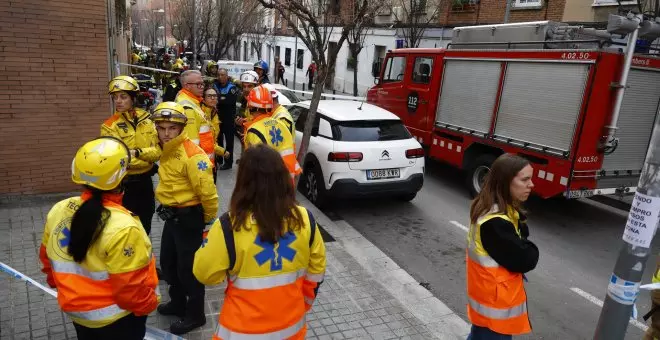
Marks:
<point>372,130</point>
<point>289,95</point>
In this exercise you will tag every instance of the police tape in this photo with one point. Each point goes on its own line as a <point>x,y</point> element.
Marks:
<point>338,96</point>
<point>147,68</point>
<point>151,334</point>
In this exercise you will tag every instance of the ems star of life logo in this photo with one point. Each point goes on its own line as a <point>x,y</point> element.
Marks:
<point>61,238</point>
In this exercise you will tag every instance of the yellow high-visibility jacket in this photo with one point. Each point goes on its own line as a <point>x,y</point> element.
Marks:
<point>116,278</point>
<point>137,131</point>
<point>283,115</point>
<point>199,130</point>
<point>211,115</point>
<point>271,286</point>
<point>186,177</point>
<point>266,130</point>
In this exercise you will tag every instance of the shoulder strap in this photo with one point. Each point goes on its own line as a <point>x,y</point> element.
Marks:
<point>228,231</point>
<point>259,134</point>
<point>312,225</point>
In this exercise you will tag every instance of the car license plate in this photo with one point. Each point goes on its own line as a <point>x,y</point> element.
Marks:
<point>383,173</point>
<point>580,193</point>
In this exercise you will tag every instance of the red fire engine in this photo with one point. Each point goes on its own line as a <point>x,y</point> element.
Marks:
<point>472,102</point>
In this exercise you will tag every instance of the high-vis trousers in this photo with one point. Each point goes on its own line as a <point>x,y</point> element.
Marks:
<point>182,236</point>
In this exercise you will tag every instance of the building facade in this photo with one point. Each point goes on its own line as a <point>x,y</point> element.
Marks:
<point>55,62</point>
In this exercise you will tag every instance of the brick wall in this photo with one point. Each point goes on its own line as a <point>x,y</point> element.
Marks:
<point>492,12</point>
<point>53,76</point>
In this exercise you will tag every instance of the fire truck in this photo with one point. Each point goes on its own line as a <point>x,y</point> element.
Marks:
<point>528,89</point>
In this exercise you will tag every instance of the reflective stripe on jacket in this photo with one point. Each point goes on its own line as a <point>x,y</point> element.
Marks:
<point>116,278</point>
<point>186,177</point>
<point>271,286</point>
<point>199,130</point>
<point>137,132</point>
<point>496,296</point>
<point>266,130</point>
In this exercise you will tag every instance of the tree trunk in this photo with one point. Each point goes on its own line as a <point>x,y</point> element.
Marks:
<point>321,74</point>
<point>355,78</point>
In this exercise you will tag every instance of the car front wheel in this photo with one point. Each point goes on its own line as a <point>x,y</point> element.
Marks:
<point>312,186</point>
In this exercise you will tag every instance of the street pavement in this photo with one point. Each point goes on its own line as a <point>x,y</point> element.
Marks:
<point>366,295</point>
<point>578,240</point>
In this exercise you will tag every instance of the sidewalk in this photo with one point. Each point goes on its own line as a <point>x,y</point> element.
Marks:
<point>365,294</point>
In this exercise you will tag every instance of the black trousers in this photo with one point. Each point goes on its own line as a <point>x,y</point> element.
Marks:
<point>139,198</point>
<point>226,138</point>
<point>130,327</point>
<point>182,236</point>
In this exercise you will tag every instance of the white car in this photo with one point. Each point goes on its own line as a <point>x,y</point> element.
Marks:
<point>357,150</point>
<point>285,95</point>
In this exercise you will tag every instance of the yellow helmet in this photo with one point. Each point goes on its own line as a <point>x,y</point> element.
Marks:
<point>123,83</point>
<point>101,163</point>
<point>169,112</point>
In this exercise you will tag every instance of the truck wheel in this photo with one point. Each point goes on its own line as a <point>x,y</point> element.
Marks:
<point>477,173</point>
<point>311,185</point>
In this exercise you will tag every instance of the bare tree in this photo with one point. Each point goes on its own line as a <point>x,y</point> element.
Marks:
<point>313,21</point>
<point>413,17</point>
<point>356,43</point>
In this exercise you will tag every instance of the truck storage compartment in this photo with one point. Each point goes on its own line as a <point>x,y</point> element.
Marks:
<point>468,94</point>
<point>541,103</point>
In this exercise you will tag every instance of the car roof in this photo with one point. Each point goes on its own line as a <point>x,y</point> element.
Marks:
<point>346,110</point>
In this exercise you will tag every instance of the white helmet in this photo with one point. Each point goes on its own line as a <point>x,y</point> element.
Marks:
<point>249,77</point>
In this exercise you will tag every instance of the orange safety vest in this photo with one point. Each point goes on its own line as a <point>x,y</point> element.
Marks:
<point>496,296</point>
<point>203,127</point>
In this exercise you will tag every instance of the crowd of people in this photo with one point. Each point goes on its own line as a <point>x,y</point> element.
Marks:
<point>96,248</point>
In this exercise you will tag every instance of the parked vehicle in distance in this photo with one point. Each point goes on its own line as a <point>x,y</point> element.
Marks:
<point>357,150</point>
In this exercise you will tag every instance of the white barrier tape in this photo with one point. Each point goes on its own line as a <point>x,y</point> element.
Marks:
<point>338,96</point>
<point>148,68</point>
<point>151,334</point>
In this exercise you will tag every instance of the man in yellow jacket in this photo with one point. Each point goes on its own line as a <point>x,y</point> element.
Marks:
<point>197,128</point>
<point>189,202</point>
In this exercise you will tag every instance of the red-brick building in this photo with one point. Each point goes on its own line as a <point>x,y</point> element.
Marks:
<point>54,67</point>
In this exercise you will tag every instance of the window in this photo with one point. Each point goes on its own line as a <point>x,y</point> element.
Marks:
<point>372,130</point>
<point>394,69</point>
<point>613,2</point>
<point>245,55</point>
<point>299,59</point>
<point>287,57</point>
<point>419,6</point>
<point>422,70</point>
<point>528,3</point>
<point>277,52</point>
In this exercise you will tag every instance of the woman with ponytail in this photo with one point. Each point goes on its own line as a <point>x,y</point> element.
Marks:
<point>96,254</point>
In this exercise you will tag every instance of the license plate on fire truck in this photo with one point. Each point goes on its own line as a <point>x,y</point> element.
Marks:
<point>383,173</point>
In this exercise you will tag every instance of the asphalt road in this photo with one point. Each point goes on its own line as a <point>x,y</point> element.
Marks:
<point>579,242</point>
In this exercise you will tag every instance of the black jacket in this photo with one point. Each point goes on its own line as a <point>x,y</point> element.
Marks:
<point>516,254</point>
<point>171,91</point>
<point>227,96</point>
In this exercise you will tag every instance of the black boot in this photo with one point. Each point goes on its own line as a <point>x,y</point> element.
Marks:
<point>186,325</point>
<point>225,166</point>
<point>171,309</point>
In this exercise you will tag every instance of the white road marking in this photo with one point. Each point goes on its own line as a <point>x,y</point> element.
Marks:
<point>599,303</point>
<point>460,226</point>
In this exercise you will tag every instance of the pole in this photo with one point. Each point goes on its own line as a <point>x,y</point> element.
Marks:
<point>165,24</point>
<point>637,236</point>
<point>295,66</point>
<point>194,35</point>
<point>507,10</point>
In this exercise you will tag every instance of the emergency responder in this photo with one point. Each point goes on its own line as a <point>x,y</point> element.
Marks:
<point>209,106</point>
<point>175,84</point>
<point>261,67</point>
<point>227,96</point>
<point>499,253</point>
<point>189,201</point>
<point>133,127</point>
<point>96,254</point>
<point>198,128</point>
<point>280,112</point>
<point>281,256</point>
<point>249,80</point>
<point>211,70</point>
<point>653,332</point>
<point>263,129</point>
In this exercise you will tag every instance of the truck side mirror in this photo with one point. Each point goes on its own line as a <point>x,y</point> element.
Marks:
<point>376,81</point>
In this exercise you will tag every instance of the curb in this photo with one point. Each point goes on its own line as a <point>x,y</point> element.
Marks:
<point>436,316</point>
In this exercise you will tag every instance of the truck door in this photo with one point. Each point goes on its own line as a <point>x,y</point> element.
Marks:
<point>390,92</point>
<point>419,106</point>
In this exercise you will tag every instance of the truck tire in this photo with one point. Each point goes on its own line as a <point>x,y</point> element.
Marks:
<point>477,173</point>
<point>311,185</point>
